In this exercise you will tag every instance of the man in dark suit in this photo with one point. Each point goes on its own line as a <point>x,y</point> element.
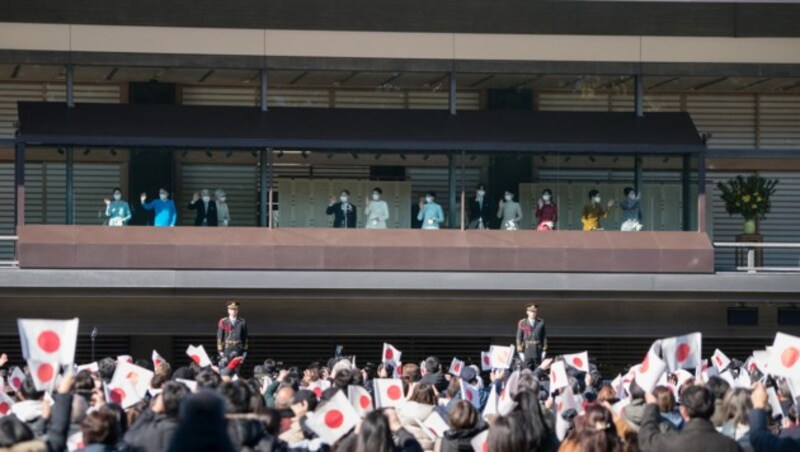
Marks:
<point>344,212</point>
<point>206,209</point>
<point>479,215</point>
<point>532,338</point>
<point>698,434</point>
<point>231,335</point>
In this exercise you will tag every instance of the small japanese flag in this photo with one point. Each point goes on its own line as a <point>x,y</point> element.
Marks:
<point>565,401</point>
<point>720,361</point>
<point>579,361</point>
<point>199,355</point>
<point>390,355</point>
<point>728,376</point>
<point>360,399</point>
<point>44,374</point>
<point>682,352</point>
<point>122,392</point>
<point>318,387</point>
<point>558,376</point>
<point>157,359</point>
<point>436,424</point>
<point>616,385</point>
<point>388,392</point>
<point>491,403</point>
<point>682,376</point>
<point>334,419</point>
<point>6,403</point>
<point>480,443</point>
<point>16,378</point>
<point>784,359</point>
<point>470,394</point>
<point>75,442</point>
<point>51,341</point>
<point>505,402</point>
<point>743,380</point>
<point>486,361</point>
<point>455,367</point>
<point>125,359</point>
<point>139,377</point>
<point>91,367</point>
<point>761,360</point>
<point>500,356</point>
<point>650,372</point>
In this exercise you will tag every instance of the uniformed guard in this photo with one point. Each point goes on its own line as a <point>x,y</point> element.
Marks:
<point>231,335</point>
<point>531,338</point>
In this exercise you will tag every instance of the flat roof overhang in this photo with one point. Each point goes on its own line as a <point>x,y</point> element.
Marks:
<point>351,130</point>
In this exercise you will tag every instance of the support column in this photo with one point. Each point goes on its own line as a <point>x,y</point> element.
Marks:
<point>264,90</point>
<point>262,185</point>
<point>701,193</point>
<point>637,173</point>
<point>463,190</point>
<point>452,97</point>
<point>451,184</point>
<point>70,87</point>
<point>70,185</point>
<point>19,186</point>
<point>638,97</point>
<point>271,177</point>
<point>685,187</point>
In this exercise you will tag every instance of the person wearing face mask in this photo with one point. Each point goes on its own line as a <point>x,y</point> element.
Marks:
<point>593,211</point>
<point>631,210</point>
<point>546,212</point>
<point>205,207</point>
<point>377,210</point>
<point>510,212</point>
<point>430,213</point>
<point>165,212</point>
<point>479,215</point>
<point>223,214</point>
<point>118,211</point>
<point>344,212</point>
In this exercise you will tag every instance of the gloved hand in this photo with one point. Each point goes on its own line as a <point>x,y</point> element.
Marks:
<point>544,354</point>
<point>244,355</point>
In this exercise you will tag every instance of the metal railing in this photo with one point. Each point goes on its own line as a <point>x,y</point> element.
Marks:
<point>13,263</point>
<point>751,255</point>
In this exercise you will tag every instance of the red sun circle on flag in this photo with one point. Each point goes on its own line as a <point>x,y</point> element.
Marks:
<point>682,353</point>
<point>469,396</point>
<point>4,408</point>
<point>317,391</point>
<point>554,376</point>
<point>45,372</point>
<point>457,368</point>
<point>16,382</point>
<point>433,431</point>
<point>485,446</point>
<point>577,361</point>
<point>158,362</point>
<point>790,356</point>
<point>394,392</point>
<point>502,356</point>
<point>560,407</point>
<point>645,364</point>
<point>196,359</point>
<point>117,395</point>
<point>753,367</point>
<point>719,361</point>
<point>364,401</point>
<point>334,419</point>
<point>486,360</point>
<point>133,377</point>
<point>49,341</point>
<point>389,354</point>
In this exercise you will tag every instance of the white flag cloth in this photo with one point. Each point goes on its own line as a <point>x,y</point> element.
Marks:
<point>157,359</point>
<point>198,355</point>
<point>16,378</point>
<point>139,377</point>
<point>91,367</point>
<point>784,359</point>
<point>558,376</point>
<point>50,341</point>
<point>682,352</point>
<point>191,384</point>
<point>125,359</point>
<point>388,392</point>
<point>565,401</point>
<point>436,424</point>
<point>333,419</point>
<point>6,403</point>
<point>75,441</point>
<point>579,361</point>
<point>318,387</point>
<point>616,385</point>
<point>390,354</point>
<point>619,406</point>
<point>719,360</point>
<point>455,367</point>
<point>761,360</point>
<point>772,398</point>
<point>360,399</point>
<point>470,394</point>
<point>650,372</point>
<point>44,374</point>
<point>486,361</point>
<point>743,380</point>
<point>505,402</point>
<point>123,393</point>
<point>500,356</point>
<point>491,403</point>
<point>480,443</point>
<point>728,376</point>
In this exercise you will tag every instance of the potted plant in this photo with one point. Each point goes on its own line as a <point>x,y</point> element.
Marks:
<point>748,197</point>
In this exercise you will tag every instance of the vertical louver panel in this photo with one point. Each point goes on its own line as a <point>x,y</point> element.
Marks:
<point>239,182</point>
<point>6,209</point>
<point>731,120</point>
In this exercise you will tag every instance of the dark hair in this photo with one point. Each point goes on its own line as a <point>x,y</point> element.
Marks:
<point>101,427</point>
<point>184,373</point>
<point>431,194</point>
<point>202,424</point>
<point>173,393</point>
<point>345,191</point>
<point>432,364</point>
<point>344,378</point>
<point>636,391</point>
<point>424,394</point>
<point>272,421</point>
<point>389,368</point>
<point>593,193</point>
<point>537,433</point>
<point>13,431</point>
<point>144,363</point>
<point>122,417</point>
<point>160,189</point>
<point>28,389</point>
<point>595,430</point>
<point>506,434</point>
<point>106,368</point>
<point>207,378</point>
<point>377,190</point>
<point>718,387</point>
<point>463,416</point>
<point>665,397</point>
<point>737,406</point>
<point>304,395</point>
<point>236,395</point>
<point>698,402</point>
<point>84,384</point>
<point>374,434</point>
<point>547,191</point>
<point>328,394</point>
<point>116,189</point>
<point>371,370</point>
<point>480,187</point>
<point>627,190</point>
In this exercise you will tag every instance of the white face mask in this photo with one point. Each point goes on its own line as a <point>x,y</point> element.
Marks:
<point>632,196</point>
<point>546,197</point>
<point>597,199</point>
<point>481,193</point>
<point>376,196</point>
<point>163,196</point>
<point>222,199</point>
<point>206,198</point>
<point>343,198</point>
<point>117,196</point>
<point>428,199</point>
<point>509,197</point>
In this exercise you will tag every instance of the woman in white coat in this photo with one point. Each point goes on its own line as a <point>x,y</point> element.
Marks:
<point>377,210</point>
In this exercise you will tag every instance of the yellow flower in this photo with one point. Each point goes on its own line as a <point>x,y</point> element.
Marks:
<point>746,198</point>
<point>754,206</point>
<point>758,199</point>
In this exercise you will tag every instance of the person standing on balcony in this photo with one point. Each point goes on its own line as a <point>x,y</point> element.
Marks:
<point>205,207</point>
<point>223,214</point>
<point>479,215</point>
<point>430,213</point>
<point>165,212</point>
<point>546,212</point>
<point>593,211</point>
<point>344,212</point>
<point>118,211</point>
<point>510,212</point>
<point>377,210</point>
<point>531,338</point>
<point>231,335</point>
<point>631,210</point>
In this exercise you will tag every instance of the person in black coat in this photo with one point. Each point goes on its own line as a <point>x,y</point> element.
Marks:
<point>206,209</point>
<point>479,209</point>
<point>532,337</point>
<point>154,428</point>
<point>433,374</point>
<point>760,438</point>
<point>344,212</point>
<point>464,426</point>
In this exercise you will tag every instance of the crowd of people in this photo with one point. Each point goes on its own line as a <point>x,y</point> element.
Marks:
<point>192,408</point>
<point>428,214</point>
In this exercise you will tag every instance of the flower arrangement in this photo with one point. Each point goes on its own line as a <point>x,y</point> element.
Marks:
<point>748,197</point>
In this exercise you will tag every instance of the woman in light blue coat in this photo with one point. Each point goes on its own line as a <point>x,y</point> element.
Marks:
<point>430,214</point>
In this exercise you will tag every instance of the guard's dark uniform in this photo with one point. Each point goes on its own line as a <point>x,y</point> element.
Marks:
<point>231,337</point>
<point>532,341</point>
